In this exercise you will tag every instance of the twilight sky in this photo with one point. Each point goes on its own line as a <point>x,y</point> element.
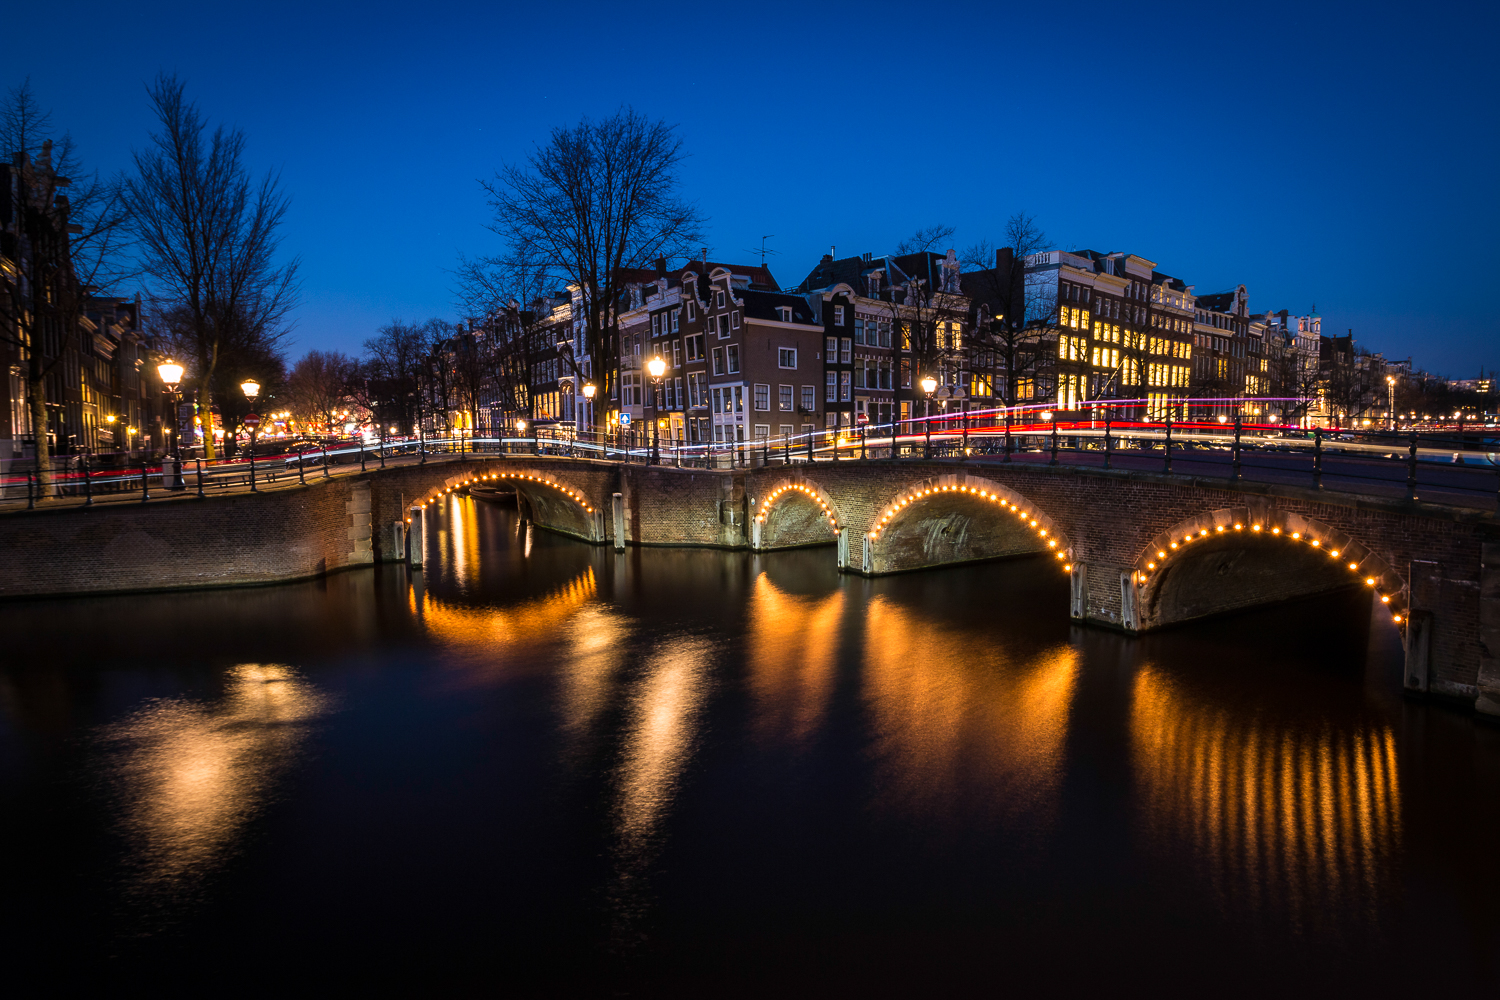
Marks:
<point>1343,155</point>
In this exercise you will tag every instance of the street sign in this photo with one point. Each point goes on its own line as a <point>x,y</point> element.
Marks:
<point>251,421</point>
<point>861,418</point>
<point>624,420</point>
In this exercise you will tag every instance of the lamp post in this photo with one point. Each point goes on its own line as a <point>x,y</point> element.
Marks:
<point>929,386</point>
<point>588,395</point>
<point>251,389</point>
<point>1390,399</point>
<point>171,379</point>
<point>656,367</point>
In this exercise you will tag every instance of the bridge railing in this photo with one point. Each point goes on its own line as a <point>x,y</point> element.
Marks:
<point>1448,467</point>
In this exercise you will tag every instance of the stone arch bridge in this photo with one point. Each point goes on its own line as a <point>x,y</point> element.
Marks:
<point>1141,550</point>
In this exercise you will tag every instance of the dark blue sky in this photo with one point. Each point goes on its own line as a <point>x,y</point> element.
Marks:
<point>1338,155</point>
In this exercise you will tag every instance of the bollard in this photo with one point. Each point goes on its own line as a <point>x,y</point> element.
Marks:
<point>1235,455</point>
<point>145,485</point>
<point>1054,443</point>
<point>617,510</point>
<point>361,456</point>
<point>415,537</point>
<point>1317,458</point>
<point>30,491</point>
<point>1106,442</point>
<point>88,483</point>
<point>1167,452</point>
<point>325,459</point>
<point>200,478</point>
<point>1411,469</point>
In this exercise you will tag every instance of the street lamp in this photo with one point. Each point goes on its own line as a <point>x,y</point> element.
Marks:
<point>656,367</point>
<point>588,394</point>
<point>171,378</point>
<point>251,389</point>
<point>1390,392</point>
<point>929,386</point>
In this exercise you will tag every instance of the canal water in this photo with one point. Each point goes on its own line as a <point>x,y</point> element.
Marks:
<point>540,768</point>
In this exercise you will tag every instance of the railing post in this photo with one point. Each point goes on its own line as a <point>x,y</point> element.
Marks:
<point>1167,451</point>
<point>30,491</point>
<point>1007,433</point>
<point>1107,452</point>
<point>810,447</point>
<point>1318,458</point>
<point>1235,452</point>
<point>200,478</point>
<point>145,485</point>
<point>325,459</point>
<point>88,483</point>
<point>361,455</point>
<point>1054,442</point>
<point>252,464</point>
<point>1411,469</point>
<point>862,433</point>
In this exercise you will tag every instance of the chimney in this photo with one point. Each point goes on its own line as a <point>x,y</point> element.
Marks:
<point>661,267</point>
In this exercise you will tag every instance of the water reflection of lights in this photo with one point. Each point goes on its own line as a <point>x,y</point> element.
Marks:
<point>793,646</point>
<point>1283,819</point>
<point>485,627</point>
<point>192,773</point>
<point>599,638</point>
<point>957,727</point>
<point>661,732</point>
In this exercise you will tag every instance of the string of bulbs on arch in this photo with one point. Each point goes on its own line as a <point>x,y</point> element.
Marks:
<point>1028,518</point>
<point>445,491</point>
<point>1176,546</point>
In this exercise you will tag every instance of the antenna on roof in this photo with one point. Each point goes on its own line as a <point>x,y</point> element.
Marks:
<point>763,250</point>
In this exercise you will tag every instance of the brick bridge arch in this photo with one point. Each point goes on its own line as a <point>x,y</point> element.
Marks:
<point>795,511</point>
<point>957,518</point>
<point>1238,557</point>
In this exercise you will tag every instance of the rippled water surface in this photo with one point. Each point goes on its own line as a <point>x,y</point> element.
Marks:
<point>540,767</point>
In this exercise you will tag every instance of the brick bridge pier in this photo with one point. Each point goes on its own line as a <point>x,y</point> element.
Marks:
<point>1142,550</point>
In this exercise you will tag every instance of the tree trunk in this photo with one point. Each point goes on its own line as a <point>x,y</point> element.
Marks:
<point>206,411</point>
<point>36,398</point>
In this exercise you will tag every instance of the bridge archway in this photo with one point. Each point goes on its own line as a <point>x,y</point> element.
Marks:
<point>545,498</point>
<point>957,519</point>
<point>1240,557</point>
<point>795,512</point>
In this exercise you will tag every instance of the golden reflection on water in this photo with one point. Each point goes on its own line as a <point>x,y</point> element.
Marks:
<point>661,729</point>
<point>192,773</point>
<point>485,627</point>
<point>597,638</point>
<point>793,652</point>
<point>660,733</point>
<point>953,717</point>
<point>1285,819</point>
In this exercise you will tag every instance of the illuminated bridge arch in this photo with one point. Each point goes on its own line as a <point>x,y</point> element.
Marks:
<point>547,499</point>
<point>794,512</point>
<point>956,519</point>
<point>1239,557</point>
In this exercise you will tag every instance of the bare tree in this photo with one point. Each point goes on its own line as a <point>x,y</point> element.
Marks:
<point>1014,322</point>
<point>207,235</point>
<point>319,387</point>
<point>925,239</point>
<point>61,246</point>
<point>595,199</point>
<point>390,372</point>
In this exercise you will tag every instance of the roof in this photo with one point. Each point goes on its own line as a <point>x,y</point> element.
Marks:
<point>762,305</point>
<point>1217,302</point>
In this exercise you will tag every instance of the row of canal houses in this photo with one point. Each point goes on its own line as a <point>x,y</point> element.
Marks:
<point>849,346</point>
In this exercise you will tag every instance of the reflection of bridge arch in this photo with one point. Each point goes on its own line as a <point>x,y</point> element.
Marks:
<point>1238,557</point>
<point>794,512</point>
<point>959,518</point>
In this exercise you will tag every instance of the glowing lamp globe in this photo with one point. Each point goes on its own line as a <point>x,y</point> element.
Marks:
<point>250,388</point>
<point>656,366</point>
<point>929,384</point>
<point>589,390</point>
<point>171,374</point>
